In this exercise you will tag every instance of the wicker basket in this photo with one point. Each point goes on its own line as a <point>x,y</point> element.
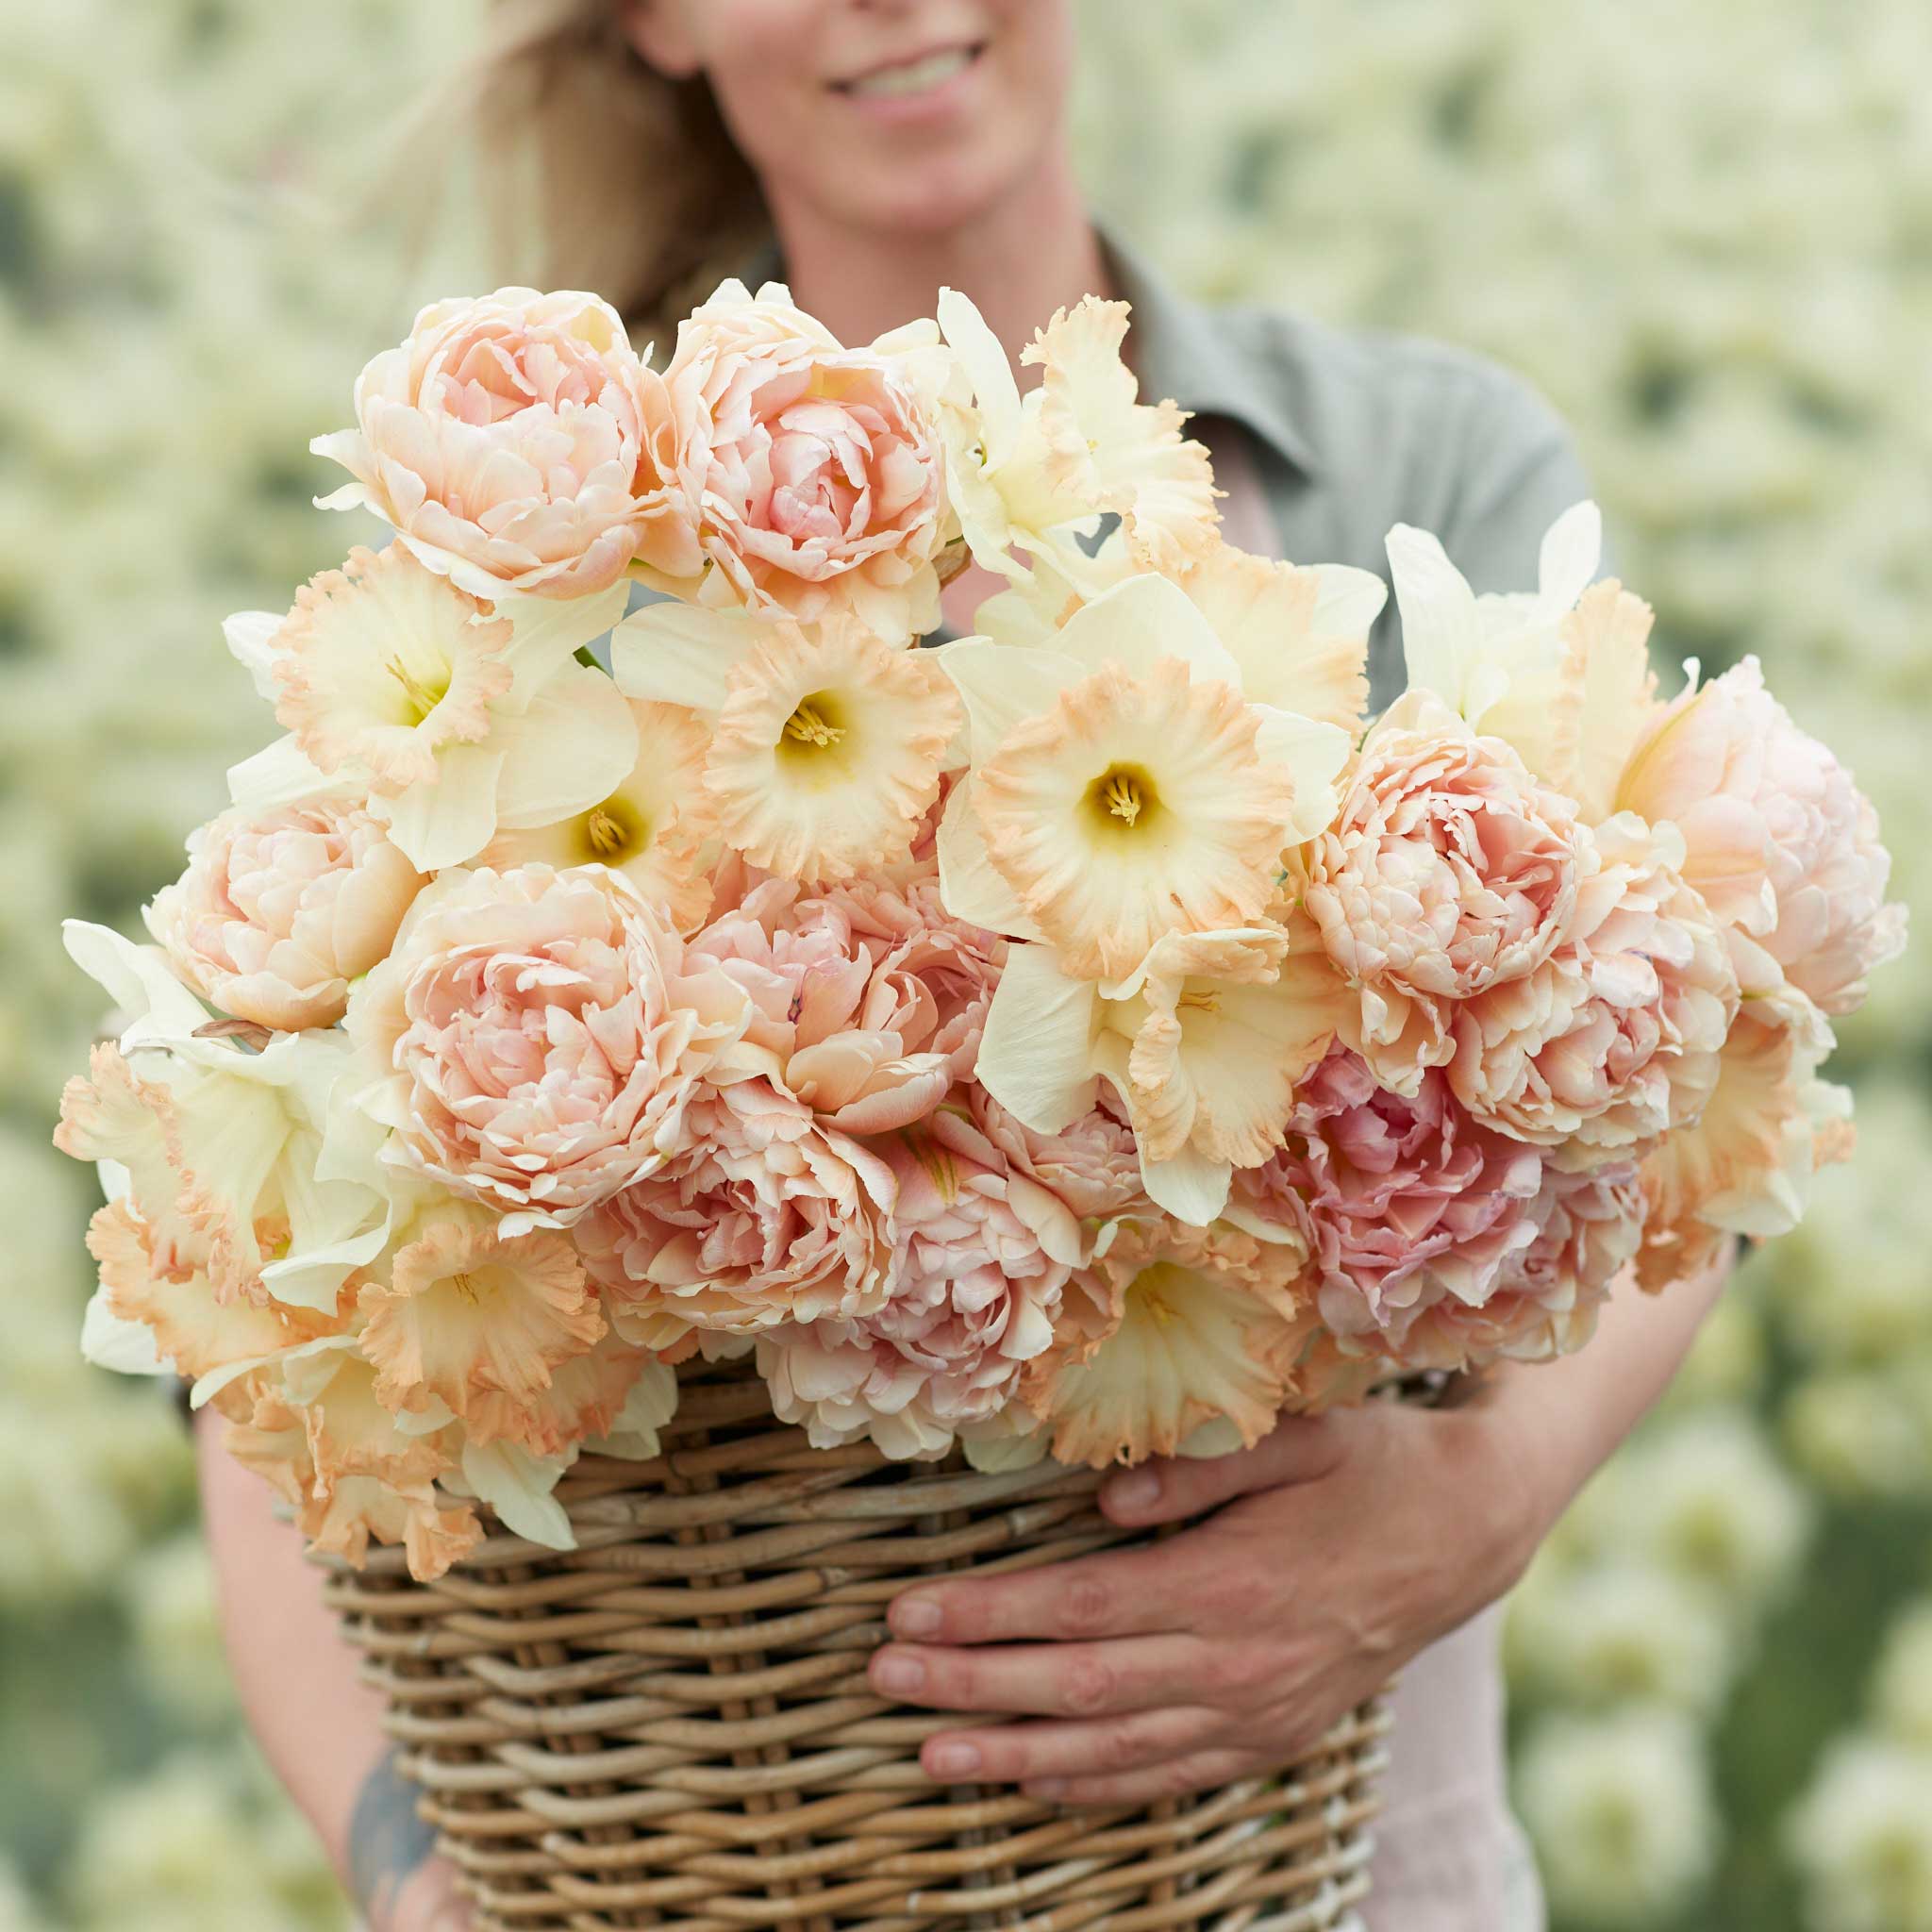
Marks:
<point>671,1725</point>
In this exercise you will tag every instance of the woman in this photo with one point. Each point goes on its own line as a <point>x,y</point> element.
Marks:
<point>887,147</point>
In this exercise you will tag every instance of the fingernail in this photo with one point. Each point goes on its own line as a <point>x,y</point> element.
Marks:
<point>898,1677</point>
<point>955,1760</point>
<point>916,1616</point>
<point>1134,1493</point>
<point>1046,1787</point>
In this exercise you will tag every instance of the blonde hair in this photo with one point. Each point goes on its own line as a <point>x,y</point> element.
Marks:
<point>601,172</point>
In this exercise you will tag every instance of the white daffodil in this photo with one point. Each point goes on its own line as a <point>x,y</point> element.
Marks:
<point>1562,673</point>
<point>218,1150</point>
<point>1123,787</point>
<point>1076,447</point>
<point>1203,1042</point>
<point>457,716</point>
<point>827,742</point>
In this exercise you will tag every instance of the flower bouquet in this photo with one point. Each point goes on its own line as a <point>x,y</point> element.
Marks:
<point>608,1122</point>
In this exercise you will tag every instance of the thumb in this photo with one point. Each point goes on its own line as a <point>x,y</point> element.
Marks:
<point>1299,1449</point>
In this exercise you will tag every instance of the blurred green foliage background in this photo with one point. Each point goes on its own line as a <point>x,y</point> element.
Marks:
<point>1704,232</point>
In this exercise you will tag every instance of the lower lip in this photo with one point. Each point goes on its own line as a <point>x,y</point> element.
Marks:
<point>930,103</point>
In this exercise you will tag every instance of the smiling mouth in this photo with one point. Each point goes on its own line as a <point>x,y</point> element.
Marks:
<point>909,77</point>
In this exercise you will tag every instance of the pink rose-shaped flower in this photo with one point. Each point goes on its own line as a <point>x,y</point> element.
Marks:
<point>1778,840</point>
<point>1615,1039</point>
<point>975,1291</point>
<point>867,999</point>
<point>279,910</point>
<point>1449,870</point>
<point>518,442</point>
<point>766,1216</point>
<point>535,1039</point>
<point>1398,1201</point>
<point>1093,1164</point>
<point>821,470</point>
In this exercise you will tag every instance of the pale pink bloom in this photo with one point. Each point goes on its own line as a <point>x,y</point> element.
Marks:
<point>819,470</point>
<point>867,999</point>
<point>517,443</point>
<point>535,1037</point>
<point>1614,1040</point>
<point>1169,1329</point>
<point>279,910</point>
<point>1448,870</point>
<point>1091,1164</point>
<point>1547,1300</point>
<point>765,1216</point>
<point>975,1285</point>
<point>1399,1201</point>
<point>1778,840</point>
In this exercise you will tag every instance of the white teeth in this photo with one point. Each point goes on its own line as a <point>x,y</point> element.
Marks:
<point>914,78</point>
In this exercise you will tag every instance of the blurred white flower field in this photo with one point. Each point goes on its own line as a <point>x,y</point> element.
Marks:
<point>1722,1663</point>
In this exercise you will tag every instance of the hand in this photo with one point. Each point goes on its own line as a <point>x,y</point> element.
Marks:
<point>1342,1545</point>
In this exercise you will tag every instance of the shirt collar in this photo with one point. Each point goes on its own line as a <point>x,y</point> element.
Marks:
<point>1180,351</point>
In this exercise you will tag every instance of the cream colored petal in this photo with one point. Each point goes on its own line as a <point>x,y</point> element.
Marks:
<point>519,1486</point>
<point>1003,685</point>
<point>280,773</point>
<point>1036,1056</point>
<point>1192,1186</point>
<point>1441,629</point>
<point>970,888</point>
<point>1570,556</point>
<point>1139,621</point>
<point>682,654</point>
<point>1313,753</point>
<point>546,632</point>
<point>992,375</point>
<point>450,819</point>
<point>575,744</point>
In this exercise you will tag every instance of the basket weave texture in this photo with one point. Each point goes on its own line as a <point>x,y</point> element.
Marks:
<point>671,1725</point>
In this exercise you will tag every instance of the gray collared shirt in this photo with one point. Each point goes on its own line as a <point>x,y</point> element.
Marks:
<point>1351,430</point>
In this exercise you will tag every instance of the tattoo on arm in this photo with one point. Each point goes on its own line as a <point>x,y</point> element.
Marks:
<point>388,1843</point>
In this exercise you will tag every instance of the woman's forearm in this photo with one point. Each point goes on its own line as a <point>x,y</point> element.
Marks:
<point>1564,1419</point>
<point>317,1723</point>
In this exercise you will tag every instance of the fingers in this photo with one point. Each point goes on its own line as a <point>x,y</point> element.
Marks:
<point>1048,1679</point>
<point>1015,1754</point>
<point>1299,1449</point>
<point>1121,1593</point>
<point>1200,1771</point>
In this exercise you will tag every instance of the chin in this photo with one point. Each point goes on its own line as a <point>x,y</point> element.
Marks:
<point>938,196</point>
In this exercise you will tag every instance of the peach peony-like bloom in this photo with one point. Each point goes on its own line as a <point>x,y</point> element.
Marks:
<point>1399,1200</point>
<point>1615,1037</point>
<point>1172,1329</point>
<point>535,1037</point>
<point>516,441</point>
<point>818,470</point>
<point>867,1000</point>
<point>651,827</point>
<point>1448,870</point>
<point>765,1216</point>
<point>1778,840</point>
<point>279,910</point>
<point>1091,1164</point>
<point>975,1289</point>
<point>468,1314</point>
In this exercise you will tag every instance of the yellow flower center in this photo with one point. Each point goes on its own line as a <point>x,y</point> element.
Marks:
<point>811,722</point>
<point>419,698</point>
<point>1159,1289</point>
<point>1122,799</point>
<point>613,831</point>
<point>464,1286</point>
<point>1191,1001</point>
